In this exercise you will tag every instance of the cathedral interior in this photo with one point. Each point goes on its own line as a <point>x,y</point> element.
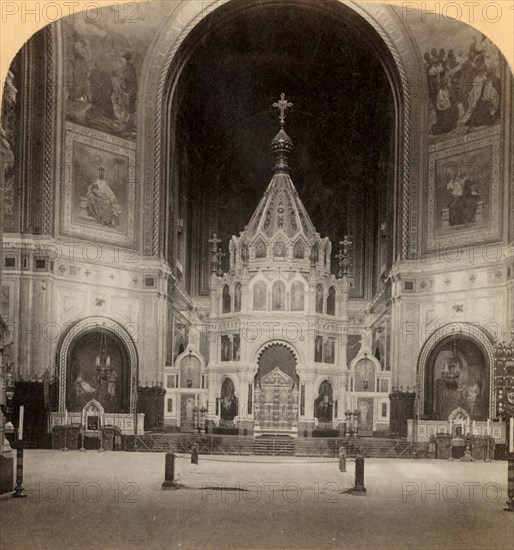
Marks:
<point>257,219</point>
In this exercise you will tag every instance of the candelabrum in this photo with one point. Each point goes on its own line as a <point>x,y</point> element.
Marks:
<point>352,423</point>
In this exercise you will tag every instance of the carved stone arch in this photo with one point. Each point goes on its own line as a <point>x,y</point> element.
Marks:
<point>258,349</point>
<point>221,381</point>
<point>279,249</point>
<point>458,411</point>
<point>364,353</point>
<point>259,300</point>
<point>191,351</point>
<point>299,249</point>
<point>86,326</point>
<point>478,335</point>
<point>159,79</point>
<point>261,249</point>
<point>331,300</point>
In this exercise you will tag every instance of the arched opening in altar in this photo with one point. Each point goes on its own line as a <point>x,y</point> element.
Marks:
<point>457,377</point>
<point>324,403</point>
<point>228,403</point>
<point>98,369</point>
<point>276,390</point>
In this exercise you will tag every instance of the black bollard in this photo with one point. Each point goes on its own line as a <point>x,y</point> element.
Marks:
<point>194,454</point>
<point>359,488</point>
<point>169,473</point>
<point>19,491</point>
<point>342,459</point>
<point>510,484</point>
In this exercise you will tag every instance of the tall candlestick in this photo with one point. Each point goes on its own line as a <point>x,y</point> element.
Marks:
<point>65,417</point>
<point>20,423</point>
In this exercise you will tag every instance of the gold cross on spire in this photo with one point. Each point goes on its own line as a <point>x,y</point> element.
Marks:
<point>282,104</point>
<point>346,243</point>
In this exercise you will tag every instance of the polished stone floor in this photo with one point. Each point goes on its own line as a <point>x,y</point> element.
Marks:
<point>115,501</point>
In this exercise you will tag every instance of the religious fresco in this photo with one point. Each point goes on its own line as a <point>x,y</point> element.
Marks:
<point>365,408</point>
<point>323,405</point>
<point>329,348</point>
<point>187,411</point>
<point>98,368</point>
<point>226,299</point>
<point>464,192</point>
<point>228,401</point>
<point>99,190</point>
<point>457,377</point>
<point>190,372</point>
<point>259,296</point>
<point>318,349</point>
<point>237,297</point>
<point>463,75</point>
<point>319,299</point>
<point>278,296</point>
<point>236,347</point>
<point>297,296</point>
<point>103,63</point>
<point>364,376</point>
<point>226,348</point>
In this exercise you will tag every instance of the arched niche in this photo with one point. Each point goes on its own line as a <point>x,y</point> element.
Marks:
<point>237,297</point>
<point>229,403</point>
<point>365,373</point>
<point>279,251</point>
<point>97,360</point>
<point>456,377</point>
<point>225,299</point>
<point>319,298</point>
<point>191,365</point>
<point>331,301</point>
<point>364,368</point>
<point>190,372</point>
<point>297,296</point>
<point>278,296</point>
<point>455,370</point>
<point>260,250</point>
<point>259,294</point>
<point>277,354</point>
<point>298,250</point>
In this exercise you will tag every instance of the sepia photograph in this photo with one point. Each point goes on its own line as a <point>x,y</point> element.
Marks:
<point>257,275</point>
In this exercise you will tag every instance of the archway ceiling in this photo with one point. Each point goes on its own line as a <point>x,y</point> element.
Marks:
<point>340,122</point>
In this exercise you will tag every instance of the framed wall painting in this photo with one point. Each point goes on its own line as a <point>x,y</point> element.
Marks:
<point>464,192</point>
<point>99,192</point>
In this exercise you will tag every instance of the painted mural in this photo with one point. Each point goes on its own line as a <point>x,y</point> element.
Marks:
<point>229,401</point>
<point>104,56</point>
<point>323,405</point>
<point>98,369</point>
<point>463,76</point>
<point>99,193</point>
<point>458,377</point>
<point>464,192</point>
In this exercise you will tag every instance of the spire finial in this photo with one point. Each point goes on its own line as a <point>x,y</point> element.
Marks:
<point>282,104</point>
<point>282,144</point>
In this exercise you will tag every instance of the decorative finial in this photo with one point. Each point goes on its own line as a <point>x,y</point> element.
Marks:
<point>282,104</point>
<point>281,144</point>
